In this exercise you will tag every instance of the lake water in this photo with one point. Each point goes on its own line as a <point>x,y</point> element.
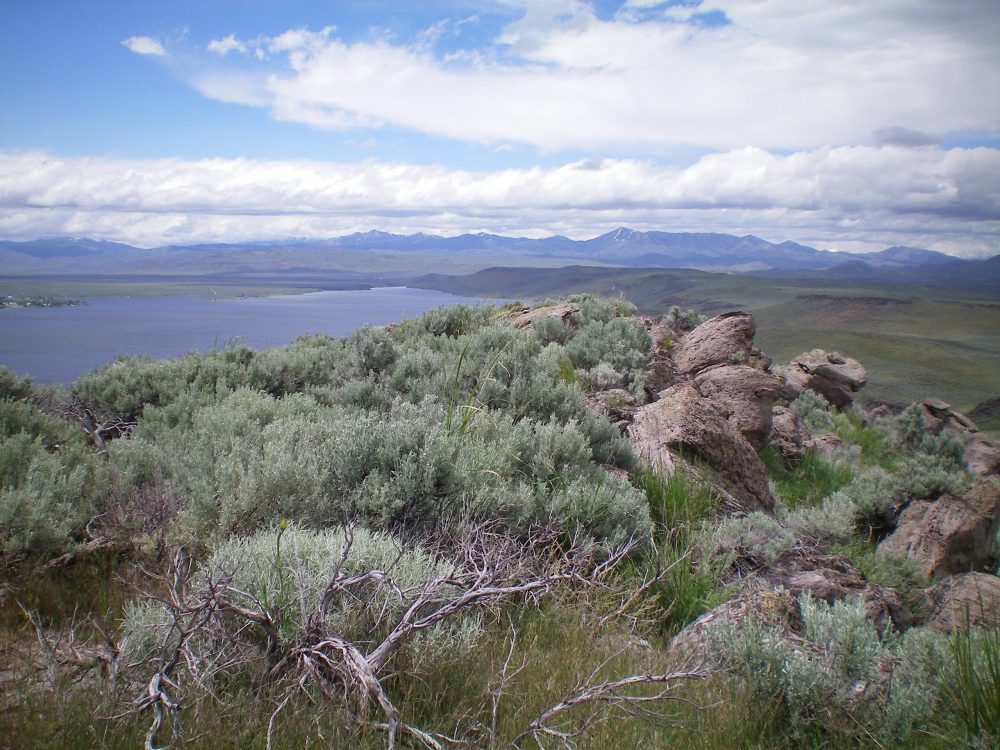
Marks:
<point>58,344</point>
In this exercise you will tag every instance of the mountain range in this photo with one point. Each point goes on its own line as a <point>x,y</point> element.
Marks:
<point>372,251</point>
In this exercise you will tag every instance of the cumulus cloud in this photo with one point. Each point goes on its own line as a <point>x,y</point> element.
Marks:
<point>848,197</point>
<point>144,45</point>
<point>224,46</point>
<point>781,74</point>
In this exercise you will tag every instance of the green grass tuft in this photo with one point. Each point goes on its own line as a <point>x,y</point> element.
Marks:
<point>809,481</point>
<point>975,692</point>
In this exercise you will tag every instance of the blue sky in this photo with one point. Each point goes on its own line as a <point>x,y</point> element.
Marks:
<point>851,125</point>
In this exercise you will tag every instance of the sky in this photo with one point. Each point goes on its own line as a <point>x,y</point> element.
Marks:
<point>843,124</point>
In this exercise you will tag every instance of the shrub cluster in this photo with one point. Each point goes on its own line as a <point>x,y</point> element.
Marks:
<point>283,572</point>
<point>840,674</point>
<point>406,429</point>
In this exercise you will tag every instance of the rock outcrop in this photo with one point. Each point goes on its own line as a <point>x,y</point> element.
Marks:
<point>964,600</point>
<point>832,578</point>
<point>617,404</point>
<point>744,395</point>
<point>788,434</point>
<point>938,415</point>
<point>772,609</point>
<point>949,535</point>
<point>525,318</point>
<point>982,457</point>
<point>724,339</point>
<point>836,378</point>
<point>662,372</point>
<point>684,422</point>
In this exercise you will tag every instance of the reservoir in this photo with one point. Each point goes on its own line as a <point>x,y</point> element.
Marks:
<point>58,344</point>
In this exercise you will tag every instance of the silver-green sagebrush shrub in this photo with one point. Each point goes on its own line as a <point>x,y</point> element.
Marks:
<point>683,320</point>
<point>815,411</point>
<point>370,350</point>
<point>619,343</point>
<point>755,539</point>
<point>602,377</point>
<point>601,309</point>
<point>831,521</point>
<point>284,572</point>
<point>47,496</point>
<point>873,493</point>
<point>252,459</point>
<point>551,329</point>
<point>839,673</point>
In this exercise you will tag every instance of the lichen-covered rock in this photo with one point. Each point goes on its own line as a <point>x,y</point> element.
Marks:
<point>661,373</point>
<point>833,376</point>
<point>563,311</point>
<point>744,395</point>
<point>724,339</point>
<point>827,446</point>
<point>833,578</point>
<point>772,609</point>
<point>788,434</point>
<point>683,421</point>
<point>938,415</point>
<point>982,457</point>
<point>618,404</point>
<point>963,600</point>
<point>949,535</point>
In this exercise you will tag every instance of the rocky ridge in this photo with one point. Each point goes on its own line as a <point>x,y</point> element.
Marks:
<point>714,401</point>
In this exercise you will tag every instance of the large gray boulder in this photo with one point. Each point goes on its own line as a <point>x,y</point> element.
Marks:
<point>833,376</point>
<point>982,457</point>
<point>788,434</point>
<point>744,395</point>
<point>964,600</point>
<point>949,535</point>
<point>772,609</point>
<point>939,415</point>
<point>684,422</point>
<point>525,318</point>
<point>724,339</point>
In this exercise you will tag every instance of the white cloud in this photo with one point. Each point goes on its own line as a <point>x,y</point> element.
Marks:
<point>847,197</point>
<point>784,74</point>
<point>144,45</point>
<point>224,46</point>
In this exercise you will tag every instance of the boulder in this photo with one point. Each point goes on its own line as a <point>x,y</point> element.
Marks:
<point>788,434</point>
<point>949,535</point>
<point>982,457</point>
<point>617,404</point>
<point>743,395</point>
<point>832,578</point>
<point>827,446</point>
<point>661,374</point>
<point>683,421</point>
<point>963,600</point>
<point>563,311</point>
<point>938,415</point>
<point>772,609</point>
<point>834,377</point>
<point>724,339</point>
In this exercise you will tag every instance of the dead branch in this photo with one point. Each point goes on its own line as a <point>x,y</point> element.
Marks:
<point>98,427</point>
<point>216,626</point>
<point>98,544</point>
<point>607,697</point>
<point>63,651</point>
